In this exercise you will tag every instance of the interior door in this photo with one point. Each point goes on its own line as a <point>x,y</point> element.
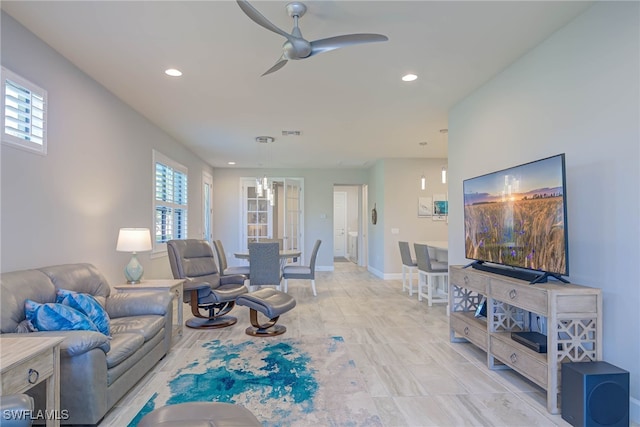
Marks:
<point>256,215</point>
<point>339,223</point>
<point>292,231</point>
<point>281,218</point>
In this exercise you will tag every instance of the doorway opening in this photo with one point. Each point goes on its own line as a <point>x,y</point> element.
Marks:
<point>349,232</point>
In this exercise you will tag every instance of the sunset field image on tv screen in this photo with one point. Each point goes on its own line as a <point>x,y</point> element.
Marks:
<point>517,217</point>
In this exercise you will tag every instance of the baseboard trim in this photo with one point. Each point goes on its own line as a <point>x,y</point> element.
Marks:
<point>324,268</point>
<point>379,274</point>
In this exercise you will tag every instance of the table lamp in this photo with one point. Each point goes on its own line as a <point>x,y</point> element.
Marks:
<point>133,240</point>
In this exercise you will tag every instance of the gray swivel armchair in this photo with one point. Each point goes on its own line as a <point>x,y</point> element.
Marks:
<point>225,270</point>
<point>305,272</point>
<point>192,259</point>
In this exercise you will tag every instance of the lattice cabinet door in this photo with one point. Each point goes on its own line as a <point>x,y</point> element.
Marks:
<point>577,340</point>
<point>464,299</point>
<point>506,318</point>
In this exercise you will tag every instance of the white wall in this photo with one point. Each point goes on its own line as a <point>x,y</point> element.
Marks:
<point>376,231</point>
<point>68,206</point>
<point>402,190</point>
<point>577,93</point>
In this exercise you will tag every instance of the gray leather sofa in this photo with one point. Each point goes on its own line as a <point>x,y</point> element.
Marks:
<point>95,370</point>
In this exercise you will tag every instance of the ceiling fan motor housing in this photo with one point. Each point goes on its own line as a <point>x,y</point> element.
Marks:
<point>296,8</point>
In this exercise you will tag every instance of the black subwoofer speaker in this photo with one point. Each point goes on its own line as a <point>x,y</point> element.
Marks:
<point>594,394</point>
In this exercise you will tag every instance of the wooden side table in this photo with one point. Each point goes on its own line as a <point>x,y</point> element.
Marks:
<point>175,286</point>
<point>26,362</point>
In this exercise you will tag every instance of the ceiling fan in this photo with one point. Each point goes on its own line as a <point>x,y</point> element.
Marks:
<point>296,47</point>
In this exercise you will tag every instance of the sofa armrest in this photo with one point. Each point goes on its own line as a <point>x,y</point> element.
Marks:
<point>75,342</point>
<point>139,303</point>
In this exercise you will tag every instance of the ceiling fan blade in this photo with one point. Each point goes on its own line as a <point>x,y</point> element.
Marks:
<point>331,43</point>
<point>257,17</point>
<point>281,63</point>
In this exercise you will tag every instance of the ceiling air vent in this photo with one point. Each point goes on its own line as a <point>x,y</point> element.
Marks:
<point>291,132</point>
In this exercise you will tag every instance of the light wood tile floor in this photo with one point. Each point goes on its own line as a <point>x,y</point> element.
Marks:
<point>414,375</point>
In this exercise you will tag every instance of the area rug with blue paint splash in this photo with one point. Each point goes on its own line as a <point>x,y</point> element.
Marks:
<point>284,382</point>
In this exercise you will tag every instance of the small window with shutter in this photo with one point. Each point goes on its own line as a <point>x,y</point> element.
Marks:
<point>170,201</point>
<point>24,113</point>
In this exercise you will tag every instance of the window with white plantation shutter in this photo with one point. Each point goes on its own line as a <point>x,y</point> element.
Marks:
<point>170,201</point>
<point>24,111</point>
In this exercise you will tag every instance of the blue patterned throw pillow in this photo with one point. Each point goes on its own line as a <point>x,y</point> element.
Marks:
<point>56,317</point>
<point>87,305</point>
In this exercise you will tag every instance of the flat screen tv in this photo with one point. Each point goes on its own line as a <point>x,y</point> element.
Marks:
<point>517,218</point>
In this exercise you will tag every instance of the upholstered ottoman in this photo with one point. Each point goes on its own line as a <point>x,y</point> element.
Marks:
<point>272,304</point>
<point>200,414</point>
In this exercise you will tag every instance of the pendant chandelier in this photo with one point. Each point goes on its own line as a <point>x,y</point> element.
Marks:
<point>423,179</point>
<point>262,183</point>
<point>445,133</point>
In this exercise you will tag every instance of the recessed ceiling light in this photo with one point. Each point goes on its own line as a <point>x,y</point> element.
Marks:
<point>264,139</point>
<point>173,72</point>
<point>231,163</point>
<point>409,78</point>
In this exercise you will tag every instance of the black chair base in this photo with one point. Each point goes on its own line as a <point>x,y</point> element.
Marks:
<point>266,332</point>
<point>204,323</point>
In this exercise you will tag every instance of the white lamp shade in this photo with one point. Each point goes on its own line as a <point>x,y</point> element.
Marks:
<point>134,240</point>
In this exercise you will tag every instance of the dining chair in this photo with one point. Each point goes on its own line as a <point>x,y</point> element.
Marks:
<point>225,270</point>
<point>408,264</point>
<point>279,241</point>
<point>264,265</point>
<point>304,272</point>
<point>428,271</point>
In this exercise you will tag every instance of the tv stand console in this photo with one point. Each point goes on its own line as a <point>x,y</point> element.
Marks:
<point>573,327</point>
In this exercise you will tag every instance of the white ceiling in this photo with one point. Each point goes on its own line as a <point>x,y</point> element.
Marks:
<point>350,104</point>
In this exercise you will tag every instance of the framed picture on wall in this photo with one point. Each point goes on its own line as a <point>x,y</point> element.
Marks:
<point>440,207</point>
<point>424,206</point>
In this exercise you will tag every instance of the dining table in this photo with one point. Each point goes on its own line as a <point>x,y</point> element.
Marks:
<point>284,254</point>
